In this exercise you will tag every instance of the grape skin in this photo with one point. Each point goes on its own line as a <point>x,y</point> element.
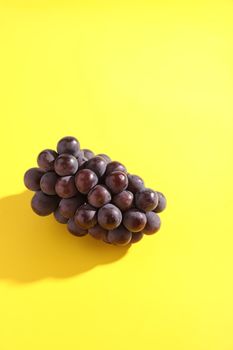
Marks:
<point>119,236</point>
<point>68,144</point>
<point>48,182</point>
<point>66,164</point>
<point>99,196</point>
<point>32,178</point>
<point>109,217</point>
<point>85,180</point>
<point>123,200</point>
<point>59,217</point>
<point>65,187</point>
<point>117,181</point>
<point>134,220</point>
<point>153,223</point>
<point>46,159</point>
<point>44,205</point>
<point>86,216</point>
<point>75,229</point>
<point>69,206</point>
<point>146,199</point>
<point>162,203</point>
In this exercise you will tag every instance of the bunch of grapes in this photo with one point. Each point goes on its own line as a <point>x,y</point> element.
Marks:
<point>93,195</point>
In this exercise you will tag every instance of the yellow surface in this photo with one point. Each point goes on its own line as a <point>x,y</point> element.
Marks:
<point>151,84</point>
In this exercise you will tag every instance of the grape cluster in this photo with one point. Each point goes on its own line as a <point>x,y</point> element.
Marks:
<point>93,195</point>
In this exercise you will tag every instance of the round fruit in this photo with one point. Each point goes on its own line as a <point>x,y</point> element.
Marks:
<point>162,203</point>
<point>65,187</point>
<point>85,180</point>
<point>134,220</point>
<point>136,237</point>
<point>75,229</point>
<point>48,182</point>
<point>117,181</point>
<point>44,205</point>
<point>115,166</point>
<point>68,206</point>
<point>136,183</point>
<point>59,217</point>
<point>85,216</point>
<point>153,223</point>
<point>68,144</point>
<point>123,200</point>
<point>66,164</point>
<point>88,153</point>
<point>32,178</point>
<point>97,164</point>
<point>109,217</point>
<point>107,158</point>
<point>98,232</point>
<point>46,159</point>
<point>119,236</point>
<point>99,196</point>
<point>146,199</point>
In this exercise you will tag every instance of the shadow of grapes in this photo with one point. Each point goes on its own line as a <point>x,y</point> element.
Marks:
<point>34,248</point>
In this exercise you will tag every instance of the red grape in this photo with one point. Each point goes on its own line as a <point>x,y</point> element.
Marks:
<point>32,178</point>
<point>66,164</point>
<point>109,217</point>
<point>123,200</point>
<point>85,216</point>
<point>46,159</point>
<point>65,187</point>
<point>44,205</point>
<point>119,236</point>
<point>99,196</point>
<point>134,220</point>
<point>146,199</point>
<point>48,182</point>
<point>153,223</point>
<point>117,181</point>
<point>68,144</point>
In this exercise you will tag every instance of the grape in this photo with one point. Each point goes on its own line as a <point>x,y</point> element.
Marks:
<point>65,187</point>
<point>136,237</point>
<point>66,164</point>
<point>136,183</point>
<point>88,153</point>
<point>115,166</point>
<point>117,181</point>
<point>153,223</point>
<point>46,158</point>
<point>99,196</point>
<point>48,182</point>
<point>68,206</point>
<point>123,200</point>
<point>134,220</point>
<point>85,180</point>
<point>97,164</point>
<point>146,199</point>
<point>162,203</point>
<point>44,205</point>
<point>32,178</point>
<point>69,145</point>
<point>98,232</point>
<point>75,229</point>
<point>119,236</point>
<point>85,216</point>
<point>109,217</point>
<point>59,217</point>
<point>107,158</point>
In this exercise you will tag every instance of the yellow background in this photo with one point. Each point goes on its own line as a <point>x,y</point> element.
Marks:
<point>151,84</point>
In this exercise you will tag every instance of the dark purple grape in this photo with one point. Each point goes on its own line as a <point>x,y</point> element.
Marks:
<point>99,196</point>
<point>68,144</point>
<point>146,199</point>
<point>66,164</point>
<point>97,164</point>
<point>44,205</point>
<point>109,217</point>
<point>153,223</point>
<point>123,200</point>
<point>162,203</point>
<point>59,217</point>
<point>107,158</point>
<point>46,159</point>
<point>88,153</point>
<point>117,181</point>
<point>119,236</point>
<point>98,232</point>
<point>69,206</point>
<point>86,216</point>
<point>32,178</point>
<point>65,187</point>
<point>136,237</point>
<point>85,180</point>
<point>48,182</point>
<point>134,220</point>
<point>136,183</point>
<point>115,166</point>
<point>75,229</point>
<point>81,159</point>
